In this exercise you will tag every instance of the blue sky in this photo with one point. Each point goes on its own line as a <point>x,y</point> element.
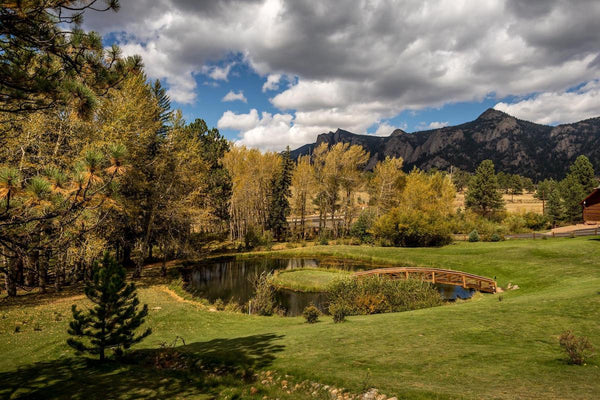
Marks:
<point>369,68</point>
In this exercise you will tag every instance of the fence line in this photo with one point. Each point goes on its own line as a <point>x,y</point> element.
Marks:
<point>540,235</point>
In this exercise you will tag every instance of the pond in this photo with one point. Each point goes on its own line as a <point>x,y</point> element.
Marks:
<point>228,280</point>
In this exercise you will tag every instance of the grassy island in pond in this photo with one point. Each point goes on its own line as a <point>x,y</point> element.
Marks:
<point>308,279</point>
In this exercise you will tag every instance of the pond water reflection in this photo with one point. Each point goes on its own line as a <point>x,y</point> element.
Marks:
<point>228,280</point>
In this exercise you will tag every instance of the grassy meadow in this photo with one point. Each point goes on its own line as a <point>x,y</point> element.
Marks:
<point>502,346</point>
<point>519,203</point>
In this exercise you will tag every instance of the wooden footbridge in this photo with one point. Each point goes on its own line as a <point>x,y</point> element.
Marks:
<point>435,275</point>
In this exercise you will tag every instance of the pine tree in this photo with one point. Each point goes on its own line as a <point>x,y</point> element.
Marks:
<point>543,192</point>
<point>280,206</point>
<point>573,193</point>
<point>64,64</point>
<point>112,323</point>
<point>554,209</point>
<point>582,171</point>
<point>516,186</point>
<point>483,195</point>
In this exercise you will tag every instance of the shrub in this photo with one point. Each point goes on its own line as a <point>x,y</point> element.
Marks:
<point>412,228</point>
<point>361,229</point>
<point>578,349</point>
<point>324,238</point>
<point>372,295</point>
<point>474,236</point>
<point>169,358</point>
<point>252,238</point>
<point>311,314</point>
<point>339,312</point>
<point>263,302</point>
<point>536,221</point>
<point>233,306</point>
<point>267,240</point>
<point>468,221</point>
<point>495,238</point>
<point>515,223</point>
<point>219,305</point>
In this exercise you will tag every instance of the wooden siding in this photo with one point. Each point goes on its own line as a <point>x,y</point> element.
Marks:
<point>592,213</point>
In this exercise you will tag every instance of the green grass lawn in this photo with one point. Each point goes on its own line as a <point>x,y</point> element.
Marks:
<point>482,348</point>
<point>307,279</point>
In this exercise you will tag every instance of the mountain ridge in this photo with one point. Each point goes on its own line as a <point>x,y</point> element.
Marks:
<point>515,146</point>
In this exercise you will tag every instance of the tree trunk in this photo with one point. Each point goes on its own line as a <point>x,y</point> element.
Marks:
<point>43,270</point>
<point>31,274</point>
<point>11,276</point>
<point>126,253</point>
<point>303,220</point>
<point>543,206</point>
<point>145,244</point>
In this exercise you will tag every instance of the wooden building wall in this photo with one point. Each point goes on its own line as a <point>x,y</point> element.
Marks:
<point>591,211</point>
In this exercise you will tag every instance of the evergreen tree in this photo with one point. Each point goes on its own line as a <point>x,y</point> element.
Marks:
<point>504,181</point>
<point>483,195</point>
<point>164,112</point>
<point>280,206</point>
<point>554,210</point>
<point>527,184</point>
<point>112,323</point>
<point>543,191</point>
<point>582,171</point>
<point>573,193</point>
<point>460,179</point>
<point>48,60</point>
<point>516,186</point>
<point>214,147</point>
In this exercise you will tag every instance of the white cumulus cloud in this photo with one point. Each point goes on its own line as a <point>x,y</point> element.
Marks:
<point>238,122</point>
<point>557,107</point>
<point>367,62</point>
<point>233,96</point>
<point>272,82</point>
<point>218,73</point>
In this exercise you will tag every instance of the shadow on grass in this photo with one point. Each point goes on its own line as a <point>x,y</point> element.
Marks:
<point>208,367</point>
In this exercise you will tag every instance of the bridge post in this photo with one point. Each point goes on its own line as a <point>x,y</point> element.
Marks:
<point>433,277</point>
<point>464,282</point>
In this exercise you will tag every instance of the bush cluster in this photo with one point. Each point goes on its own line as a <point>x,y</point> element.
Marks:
<point>474,236</point>
<point>578,349</point>
<point>495,229</point>
<point>311,314</point>
<point>339,311</point>
<point>412,228</point>
<point>263,302</point>
<point>373,295</point>
<point>254,237</point>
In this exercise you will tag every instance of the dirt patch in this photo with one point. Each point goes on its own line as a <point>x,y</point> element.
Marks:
<point>180,299</point>
<point>571,228</point>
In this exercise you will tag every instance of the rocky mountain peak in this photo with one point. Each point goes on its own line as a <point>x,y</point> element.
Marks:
<point>515,146</point>
<point>398,132</point>
<point>492,114</point>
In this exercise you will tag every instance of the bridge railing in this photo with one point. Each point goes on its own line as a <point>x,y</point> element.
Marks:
<point>435,275</point>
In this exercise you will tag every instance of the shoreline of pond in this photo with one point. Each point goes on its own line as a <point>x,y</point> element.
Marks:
<point>227,279</point>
